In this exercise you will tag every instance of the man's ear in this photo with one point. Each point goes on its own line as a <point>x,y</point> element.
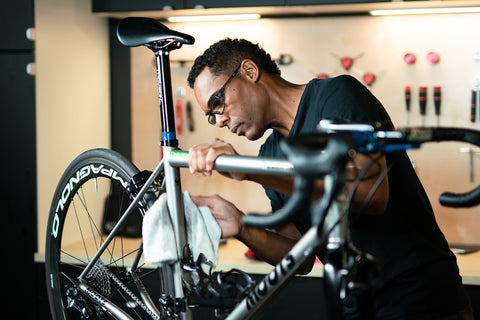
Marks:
<point>250,70</point>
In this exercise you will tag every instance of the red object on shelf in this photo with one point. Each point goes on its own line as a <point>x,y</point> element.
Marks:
<point>179,116</point>
<point>433,57</point>
<point>369,78</point>
<point>422,98</point>
<point>322,76</point>
<point>437,98</point>
<point>409,58</point>
<point>408,98</point>
<point>347,62</point>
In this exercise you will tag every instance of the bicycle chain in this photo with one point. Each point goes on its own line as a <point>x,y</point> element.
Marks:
<point>129,292</point>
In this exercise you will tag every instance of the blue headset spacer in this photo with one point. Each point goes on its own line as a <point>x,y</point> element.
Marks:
<point>166,136</point>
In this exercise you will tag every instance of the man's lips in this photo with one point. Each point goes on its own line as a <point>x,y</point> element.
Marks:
<point>234,129</point>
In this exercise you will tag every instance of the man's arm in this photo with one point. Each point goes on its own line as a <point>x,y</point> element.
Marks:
<point>268,246</point>
<point>378,202</point>
<point>202,158</point>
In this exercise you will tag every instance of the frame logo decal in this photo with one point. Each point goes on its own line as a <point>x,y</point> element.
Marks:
<point>261,290</point>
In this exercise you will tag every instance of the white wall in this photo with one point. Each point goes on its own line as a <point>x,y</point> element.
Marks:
<point>72,91</point>
<point>316,44</point>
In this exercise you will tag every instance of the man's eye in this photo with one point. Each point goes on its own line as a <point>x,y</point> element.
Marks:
<point>216,104</point>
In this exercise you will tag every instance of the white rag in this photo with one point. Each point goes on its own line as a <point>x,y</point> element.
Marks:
<point>203,232</point>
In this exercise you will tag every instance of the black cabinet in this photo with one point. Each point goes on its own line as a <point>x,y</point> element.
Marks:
<point>313,2</point>
<point>144,5</point>
<point>156,5</point>
<point>137,5</point>
<point>18,194</point>
<point>190,4</point>
<point>15,18</point>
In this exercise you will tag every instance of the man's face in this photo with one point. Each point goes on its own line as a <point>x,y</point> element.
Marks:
<point>241,107</point>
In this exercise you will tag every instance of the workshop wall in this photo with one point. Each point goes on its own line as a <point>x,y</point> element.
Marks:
<point>72,92</point>
<point>377,46</point>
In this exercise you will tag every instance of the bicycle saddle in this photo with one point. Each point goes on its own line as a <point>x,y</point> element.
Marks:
<point>134,31</point>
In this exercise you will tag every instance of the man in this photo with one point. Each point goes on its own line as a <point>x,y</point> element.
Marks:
<point>238,86</point>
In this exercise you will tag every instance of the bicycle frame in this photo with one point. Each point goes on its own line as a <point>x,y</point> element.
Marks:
<point>281,273</point>
<point>329,231</point>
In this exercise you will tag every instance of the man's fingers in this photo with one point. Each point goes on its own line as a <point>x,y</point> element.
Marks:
<point>202,157</point>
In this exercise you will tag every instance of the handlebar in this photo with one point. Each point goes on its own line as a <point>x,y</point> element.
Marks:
<point>450,199</point>
<point>368,139</point>
<point>363,138</point>
<point>316,155</point>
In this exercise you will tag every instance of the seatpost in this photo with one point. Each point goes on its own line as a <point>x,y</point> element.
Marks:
<point>172,179</point>
<point>169,138</point>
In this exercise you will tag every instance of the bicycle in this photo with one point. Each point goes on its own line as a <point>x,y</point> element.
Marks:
<point>104,278</point>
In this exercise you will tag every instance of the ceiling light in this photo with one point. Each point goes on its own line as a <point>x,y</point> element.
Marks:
<point>215,17</point>
<point>391,12</point>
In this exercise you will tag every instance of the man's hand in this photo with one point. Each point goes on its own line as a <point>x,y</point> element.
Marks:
<point>202,158</point>
<point>227,215</point>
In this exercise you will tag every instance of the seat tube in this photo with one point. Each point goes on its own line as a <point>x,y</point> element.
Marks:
<point>172,174</point>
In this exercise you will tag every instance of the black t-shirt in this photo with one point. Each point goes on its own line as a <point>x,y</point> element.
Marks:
<point>420,273</point>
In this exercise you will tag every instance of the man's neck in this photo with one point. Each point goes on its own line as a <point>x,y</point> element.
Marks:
<point>284,100</point>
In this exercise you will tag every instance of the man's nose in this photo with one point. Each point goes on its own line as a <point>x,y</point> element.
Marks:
<point>221,120</point>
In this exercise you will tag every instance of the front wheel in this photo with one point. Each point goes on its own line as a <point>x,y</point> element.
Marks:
<point>92,194</point>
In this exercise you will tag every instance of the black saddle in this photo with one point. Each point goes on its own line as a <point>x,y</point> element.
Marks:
<point>134,31</point>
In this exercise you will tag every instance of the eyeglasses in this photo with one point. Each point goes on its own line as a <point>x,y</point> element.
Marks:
<point>216,103</point>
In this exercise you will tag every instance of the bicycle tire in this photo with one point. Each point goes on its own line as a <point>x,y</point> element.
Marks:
<point>76,228</point>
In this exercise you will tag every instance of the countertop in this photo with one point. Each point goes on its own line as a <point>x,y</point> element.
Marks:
<point>232,255</point>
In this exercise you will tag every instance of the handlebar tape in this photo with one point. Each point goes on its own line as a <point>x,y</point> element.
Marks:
<point>421,135</point>
<point>460,200</point>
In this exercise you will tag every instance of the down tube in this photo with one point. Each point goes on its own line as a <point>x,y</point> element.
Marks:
<point>278,277</point>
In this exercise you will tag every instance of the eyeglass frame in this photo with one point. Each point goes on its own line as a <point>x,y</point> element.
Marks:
<point>219,96</point>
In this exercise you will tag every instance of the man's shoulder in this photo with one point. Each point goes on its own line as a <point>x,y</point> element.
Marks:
<point>342,78</point>
<point>337,84</point>
<point>345,80</point>
<point>270,148</point>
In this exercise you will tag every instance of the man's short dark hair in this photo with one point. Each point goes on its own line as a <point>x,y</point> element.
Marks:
<point>225,55</point>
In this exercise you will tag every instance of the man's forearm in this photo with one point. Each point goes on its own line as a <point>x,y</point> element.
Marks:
<point>270,246</point>
<point>375,206</point>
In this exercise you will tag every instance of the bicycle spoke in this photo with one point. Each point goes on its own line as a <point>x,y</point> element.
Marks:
<point>75,257</point>
<point>93,226</point>
<point>80,228</point>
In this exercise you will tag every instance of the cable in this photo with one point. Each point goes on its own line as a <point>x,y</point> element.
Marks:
<point>374,161</point>
<point>375,187</point>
